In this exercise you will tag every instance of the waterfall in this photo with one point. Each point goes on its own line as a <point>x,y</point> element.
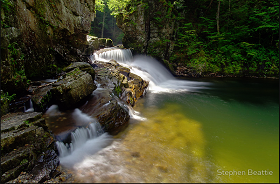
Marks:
<point>135,114</point>
<point>148,68</point>
<point>85,140</point>
<point>155,71</point>
<point>120,55</point>
<point>31,108</point>
<point>160,79</point>
<point>90,138</point>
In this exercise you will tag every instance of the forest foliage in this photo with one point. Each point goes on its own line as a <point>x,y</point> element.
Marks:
<point>241,39</point>
<point>231,37</point>
<point>104,24</point>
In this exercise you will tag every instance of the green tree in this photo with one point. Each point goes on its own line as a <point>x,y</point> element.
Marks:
<point>104,24</point>
<point>237,37</point>
<point>118,6</point>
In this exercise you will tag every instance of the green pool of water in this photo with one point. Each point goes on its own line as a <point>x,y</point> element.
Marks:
<point>226,133</point>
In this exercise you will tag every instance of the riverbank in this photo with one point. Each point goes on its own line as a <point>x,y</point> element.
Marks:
<point>179,70</point>
<point>121,88</point>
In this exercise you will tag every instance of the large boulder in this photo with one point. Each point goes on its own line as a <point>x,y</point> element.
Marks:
<point>95,43</point>
<point>92,45</point>
<point>110,112</point>
<point>70,89</point>
<point>127,86</point>
<point>73,87</point>
<point>82,66</point>
<point>105,42</point>
<point>119,88</point>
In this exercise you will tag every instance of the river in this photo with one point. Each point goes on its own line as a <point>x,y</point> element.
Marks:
<point>183,130</point>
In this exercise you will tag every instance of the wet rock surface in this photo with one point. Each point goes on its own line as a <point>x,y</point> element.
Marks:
<point>119,87</point>
<point>126,85</point>
<point>110,112</point>
<point>29,154</point>
<point>82,66</point>
<point>73,86</point>
<point>187,72</point>
<point>26,143</point>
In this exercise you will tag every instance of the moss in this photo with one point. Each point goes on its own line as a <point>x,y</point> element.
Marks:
<point>45,100</point>
<point>117,90</point>
<point>109,42</point>
<point>131,101</point>
<point>169,65</point>
<point>23,161</point>
<point>27,122</point>
<point>7,11</point>
<point>11,174</point>
<point>4,106</point>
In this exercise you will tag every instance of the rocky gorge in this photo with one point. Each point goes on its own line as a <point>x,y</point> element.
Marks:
<point>47,63</point>
<point>48,40</point>
<point>23,131</point>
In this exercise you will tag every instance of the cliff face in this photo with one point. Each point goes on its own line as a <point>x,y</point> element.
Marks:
<point>39,37</point>
<point>149,29</point>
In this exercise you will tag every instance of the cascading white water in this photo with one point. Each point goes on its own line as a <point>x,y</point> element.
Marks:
<point>85,140</point>
<point>160,79</point>
<point>157,72</point>
<point>178,138</point>
<point>135,114</point>
<point>120,55</point>
<point>31,108</point>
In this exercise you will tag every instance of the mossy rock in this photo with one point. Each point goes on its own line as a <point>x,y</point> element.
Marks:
<point>102,42</point>
<point>42,98</point>
<point>93,42</point>
<point>109,43</point>
<point>4,106</point>
<point>82,66</point>
<point>73,87</point>
<point>24,139</point>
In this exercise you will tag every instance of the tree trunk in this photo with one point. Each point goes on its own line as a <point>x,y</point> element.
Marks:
<point>103,24</point>
<point>218,17</point>
<point>114,28</point>
<point>228,13</point>
<point>210,4</point>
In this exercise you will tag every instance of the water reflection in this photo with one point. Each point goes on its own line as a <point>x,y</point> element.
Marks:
<point>244,90</point>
